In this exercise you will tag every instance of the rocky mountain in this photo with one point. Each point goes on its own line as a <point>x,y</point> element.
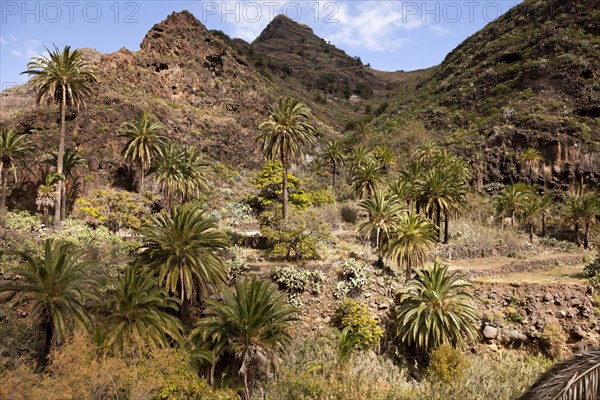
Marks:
<point>531,78</point>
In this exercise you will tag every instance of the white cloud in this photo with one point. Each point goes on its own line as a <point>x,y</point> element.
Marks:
<point>373,26</point>
<point>438,30</point>
<point>30,48</point>
<point>2,40</point>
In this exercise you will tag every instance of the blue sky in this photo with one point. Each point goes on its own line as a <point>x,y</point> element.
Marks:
<point>390,35</point>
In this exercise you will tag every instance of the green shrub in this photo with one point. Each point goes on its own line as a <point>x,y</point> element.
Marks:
<point>298,237</point>
<point>22,221</point>
<point>352,279</point>
<point>355,315</point>
<point>554,341</point>
<point>512,315</point>
<point>236,267</point>
<point>592,272</point>
<point>114,209</point>
<point>298,280</point>
<point>446,365</point>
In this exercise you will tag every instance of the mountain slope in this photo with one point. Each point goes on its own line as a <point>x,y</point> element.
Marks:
<point>529,79</point>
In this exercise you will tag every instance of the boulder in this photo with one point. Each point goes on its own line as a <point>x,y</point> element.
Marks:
<point>490,332</point>
<point>516,337</point>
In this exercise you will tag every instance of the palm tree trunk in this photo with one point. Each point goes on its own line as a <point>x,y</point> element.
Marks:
<point>61,154</point>
<point>577,241</point>
<point>544,224</point>
<point>586,234</point>
<point>512,220</point>
<point>438,223</point>
<point>446,221</point>
<point>63,207</point>
<point>3,196</point>
<point>379,248</point>
<point>46,216</point>
<point>333,180</point>
<point>49,328</point>
<point>284,183</point>
<point>530,231</point>
<point>141,188</point>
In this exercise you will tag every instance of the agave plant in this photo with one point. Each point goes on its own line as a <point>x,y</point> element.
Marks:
<point>577,378</point>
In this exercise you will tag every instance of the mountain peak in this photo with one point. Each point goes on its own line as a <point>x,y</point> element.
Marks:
<point>179,29</point>
<point>284,27</point>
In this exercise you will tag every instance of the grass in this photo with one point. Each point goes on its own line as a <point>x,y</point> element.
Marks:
<point>569,274</point>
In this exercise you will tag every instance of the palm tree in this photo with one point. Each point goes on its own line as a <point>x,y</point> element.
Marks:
<point>65,78</point>
<point>138,315</point>
<point>435,309</point>
<point>144,138</point>
<point>384,213</point>
<point>250,325</point>
<point>333,154</point>
<point>577,378</point>
<point>532,210</point>
<point>71,160</point>
<point>367,179</point>
<point>182,248</point>
<point>590,204</point>
<point>13,148</point>
<point>385,157</point>
<point>511,201</point>
<point>57,286</point>
<point>403,190</point>
<point>194,171</point>
<point>436,191</point>
<point>359,158</point>
<point>283,134</point>
<point>530,158</point>
<point>413,237</point>
<point>575,214</point>
<point>362,130</point>
<point>46,197</point>
<point>427,153</point>
<point>546,205</point>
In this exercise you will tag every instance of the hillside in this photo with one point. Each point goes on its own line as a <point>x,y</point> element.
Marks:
<point>531,78</point>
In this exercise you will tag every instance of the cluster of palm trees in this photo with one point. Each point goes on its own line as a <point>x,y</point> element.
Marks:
<point>406,216</point>
<point>180,262</point>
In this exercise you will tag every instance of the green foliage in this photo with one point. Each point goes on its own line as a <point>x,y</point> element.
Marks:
<point>236,267</point>
<point>113,208</point>
<point>592,272</point>
<point>269,184</point>
<point>353,278</point>
<point>554,341</point>
<point>435,309</point>
<point>512,315</point>
<point>355,315</point>
<point>296,281</point>
<point>446,365</point>
<point>22,221</point>
<point>299,236</point>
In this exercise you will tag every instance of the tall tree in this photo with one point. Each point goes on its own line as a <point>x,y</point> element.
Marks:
<point>13,148</point>
<point>138,315</point>
<point>333,154</point>
<point>183,249</point>
<point>250,325</point>
<point>384,213</point>
<point>436,309</point>
<point>58,286</point>
<point>530,159</point>
<point>413,237</point>
<point>144,138</point>
<point>575,213</point>
<point>284,134</point>
<point>65,78</point>
<point>532,210</point>
<point>590,204</point>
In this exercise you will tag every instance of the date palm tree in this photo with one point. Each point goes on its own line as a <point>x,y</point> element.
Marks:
<point>533,209</point>
<point>530,159</point>
<point>138,315</point>
<point>250,325</point>
<point>144,138</point>
<point>359,158</point>
<point>385,157</point>
<point>334,155</point>
<point>367,179</point>
<point>575,213</point>
<point>57,286</point>
<point>435,309</point>
<point>71,160</point>
<point>284,134</point>
<point>409,242</point>
<point>590,204</point>
<point>182,248</point>
<point>46,197</point>
<point>13,149</point>
<point>511,201</point>
<point>384,213</point>
<point>65,78</point>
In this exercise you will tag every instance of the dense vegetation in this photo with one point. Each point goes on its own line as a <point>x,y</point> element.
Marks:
<point>143,294</point>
